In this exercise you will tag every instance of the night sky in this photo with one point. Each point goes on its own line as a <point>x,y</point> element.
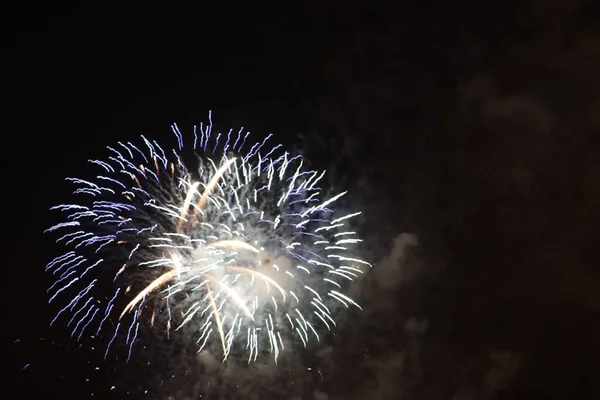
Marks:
<point>470,128</point>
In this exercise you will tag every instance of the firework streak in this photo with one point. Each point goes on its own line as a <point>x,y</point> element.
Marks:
<point>239,253</point>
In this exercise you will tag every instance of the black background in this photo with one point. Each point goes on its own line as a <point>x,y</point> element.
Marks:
<point>474,125</point>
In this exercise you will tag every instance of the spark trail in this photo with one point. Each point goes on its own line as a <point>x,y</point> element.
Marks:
<point>244,252</point>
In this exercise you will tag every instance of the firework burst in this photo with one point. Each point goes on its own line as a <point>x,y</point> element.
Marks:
<point>243,252</point>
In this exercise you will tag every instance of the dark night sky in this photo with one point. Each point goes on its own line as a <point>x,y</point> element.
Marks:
<point>473,126</point>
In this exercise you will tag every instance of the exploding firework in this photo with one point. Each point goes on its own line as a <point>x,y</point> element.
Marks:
<point>242,253</point>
